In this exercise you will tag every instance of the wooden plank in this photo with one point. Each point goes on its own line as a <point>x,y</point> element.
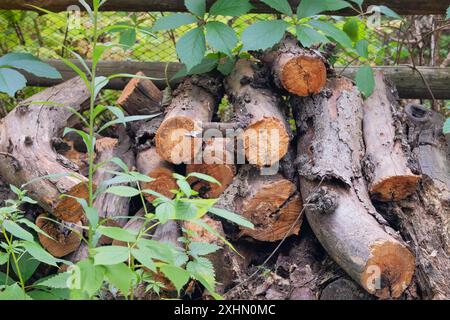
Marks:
<point>409,82</point>
<point>402,7</point>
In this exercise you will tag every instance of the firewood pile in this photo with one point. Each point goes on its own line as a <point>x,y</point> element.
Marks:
<point>357,190</point>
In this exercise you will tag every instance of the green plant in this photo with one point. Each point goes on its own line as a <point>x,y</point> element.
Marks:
<point>12,80</point>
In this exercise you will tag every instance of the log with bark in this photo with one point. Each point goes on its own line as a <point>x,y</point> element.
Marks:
<point>194,102</point>
<point>386,165</point>
<point>299,71</point>
<point>266,135</point>
<point>110,207</point>
<point>27,153</point>
<point>217,162</point>
<point>337,203</point>
<point>423,219</point>
<point>270,202</point>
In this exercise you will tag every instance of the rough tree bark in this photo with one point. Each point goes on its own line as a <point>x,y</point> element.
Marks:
<point>298,70</point>
<point>111,206</point>
<point>266,135</point>
<point>27,153</point>
<point>386,165</point>
<point>194,102</point>
<point>330,151</point>
<point>270,202</point>
<point>424,218</point>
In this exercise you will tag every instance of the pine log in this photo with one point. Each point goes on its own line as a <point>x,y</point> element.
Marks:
<point>218,162</point>
<point>386,165</point>
<point>300,71</point>
<point>423,219</point>
<point>141,97</point>
<point>63,241</point>
<point>270,202</point>
<point>26,151</point>
<point>339,210</point>
<point>194,102</point>
<point>266,135</point>
<point>110,206</point>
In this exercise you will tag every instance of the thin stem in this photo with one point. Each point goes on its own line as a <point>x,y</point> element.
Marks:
<point>16,263</point>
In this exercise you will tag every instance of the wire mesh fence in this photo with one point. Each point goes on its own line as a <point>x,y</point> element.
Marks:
<point>55,35</point>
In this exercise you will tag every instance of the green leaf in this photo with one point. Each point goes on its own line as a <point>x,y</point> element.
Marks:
<point>37,252</point>
<point>14,292</point>
<point>233,217</point>
<point>282,6</point>
<point>110,255</point>
<point>308,8</point>
<point>4,279</point>
<point>226,66</point>
<point>11,81</point>
<point>174,21</point>
<point>448,13</point>
<point>205,177</point>
<point>128,38</point>
<point>263,34</point>
<point>87,277</point>
<point>202,248</point>
<point>117,233</point>
<point>92,215</point>
<point>17,231</point>
<point>365,80</point>
<point>221,37</point>
<point>446,128</point>
<point>191,48</point>
<point>197,7</point>
<point>207,65</point>
<point>178,276</point>
<point>144,256</point>
<point>27,266</point>
<point>389,12</point>
<point>58,281</point>
<point>232,8</point>
<point>31,64</point>
<point>351,28</point>
<point>308,36</point>
<point>331,31</point>
<point>165,211</point>
<point>123,191</point>
<point>185,187</point>
<point>121,277</point>
<point>202,269</point>
<point>362,47</point>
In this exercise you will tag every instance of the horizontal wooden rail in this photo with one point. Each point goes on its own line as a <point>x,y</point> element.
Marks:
<point>409,82</point>
<point>402,7</point>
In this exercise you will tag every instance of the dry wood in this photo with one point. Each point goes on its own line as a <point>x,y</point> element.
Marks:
<point>217,162</point>
<point>141,97</point>
<point>270,202</point>
<point>266,135</point>
<point>386,165</point>
<point>423,218</point>
<point>27,153</point>
<point>298,70</point>
<point>110,206</point>
<point>63,241</point>
<point>330,151</point>
<point>402,7</point>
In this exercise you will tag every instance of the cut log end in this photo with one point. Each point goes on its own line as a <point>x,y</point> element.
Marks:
<point>221,172</point>
<point>164,182</point>
<point>68,208</point>
<point>389,270</point>
<point>273,210</point>
<point>62,242</point>
<point>394,188</point>
<point>265,142</point>
<point>304,75</point>
<point>174,141</point>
